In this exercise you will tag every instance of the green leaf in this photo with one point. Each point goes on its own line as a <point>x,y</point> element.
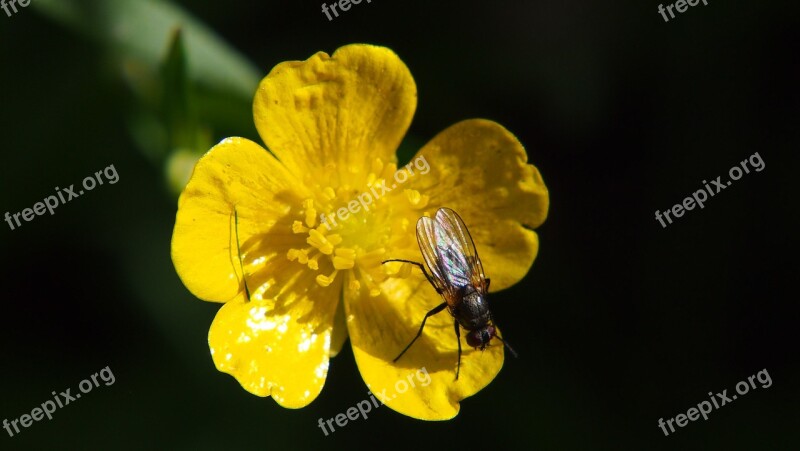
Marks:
<point>187,81</point>
<point>175,97</point>
<point>139,31</point>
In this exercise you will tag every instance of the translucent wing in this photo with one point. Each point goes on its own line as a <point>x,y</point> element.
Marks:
<point>467,265</point>
<point>450,253</point>
<point>426,238</point>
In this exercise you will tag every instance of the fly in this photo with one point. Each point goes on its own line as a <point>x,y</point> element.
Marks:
<point>456,273</point>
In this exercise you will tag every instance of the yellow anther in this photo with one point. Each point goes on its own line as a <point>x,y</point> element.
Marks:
<point>389,170</point>
<point>313,262</point>
<point>343,263</point>
<point>372,279</point>
<point>324,281</point>
<point>292,254</point>
<point>298,227</point>
<point>416,199</point>
<point>346,253</point>
<point>329,193</point>
<point>413,196</point>
<point>377,166</point>
<point>334,239</point>
<point>372,258</point>
<point>302,257</point>
<point>354,285</point>
<point>317,240</point>
<point>405,270</point>
<point>344,259</point>
<point>311,212</point>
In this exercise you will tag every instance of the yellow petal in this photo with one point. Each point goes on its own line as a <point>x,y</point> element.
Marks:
<point>330,117</point>
<point>339,331</point>
<point>480,170</point>
<point>273,351</point>
<point>234,173</point>
<point>381,327</point>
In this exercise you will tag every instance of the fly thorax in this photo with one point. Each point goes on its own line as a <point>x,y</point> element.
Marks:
<point>473,311</point>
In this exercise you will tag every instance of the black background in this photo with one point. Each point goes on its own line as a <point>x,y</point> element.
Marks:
<point>620,321</point>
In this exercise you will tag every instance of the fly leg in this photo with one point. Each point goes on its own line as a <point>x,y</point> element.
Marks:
<point>427,276</point>
<point>458,339</point>
<point>436,310</point>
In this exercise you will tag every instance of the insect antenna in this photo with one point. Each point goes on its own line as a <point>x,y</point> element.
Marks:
<point>239,252</point>
<point>513,352</point>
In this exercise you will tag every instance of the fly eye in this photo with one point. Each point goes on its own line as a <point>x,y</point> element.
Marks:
<point>474,339</point>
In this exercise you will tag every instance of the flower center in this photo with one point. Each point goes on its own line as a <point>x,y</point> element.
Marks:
<point>356,235</point>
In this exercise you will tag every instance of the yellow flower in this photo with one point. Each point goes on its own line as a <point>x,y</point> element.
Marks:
<point>333,124</point>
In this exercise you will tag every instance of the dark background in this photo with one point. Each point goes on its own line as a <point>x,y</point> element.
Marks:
<point>620,322</point>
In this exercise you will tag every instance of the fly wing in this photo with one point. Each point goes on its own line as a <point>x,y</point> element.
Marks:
<point>459,253</point>
<point>427,240</point>
<point>449,253</point>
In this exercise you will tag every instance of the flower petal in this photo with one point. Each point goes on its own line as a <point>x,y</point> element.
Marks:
<point>273,351</point>
<point>380,327</point>
<point>234,173</point>
<point>339,331</point>
<point>480,170</point>
<point>340,112</point>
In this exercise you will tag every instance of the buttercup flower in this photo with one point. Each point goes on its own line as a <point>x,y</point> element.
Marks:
<point>332,125</point>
